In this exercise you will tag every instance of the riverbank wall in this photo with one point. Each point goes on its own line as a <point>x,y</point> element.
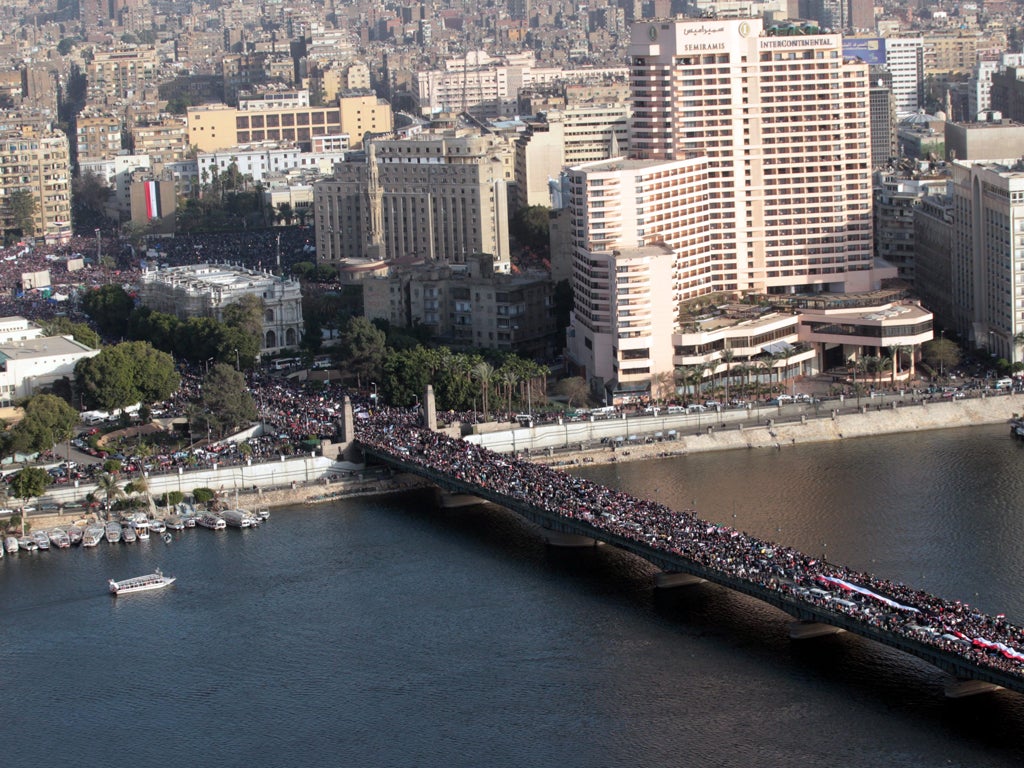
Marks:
<point>841,424</point>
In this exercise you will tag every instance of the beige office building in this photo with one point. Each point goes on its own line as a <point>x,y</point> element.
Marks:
<point>438,197</point>
<point>38,163</point>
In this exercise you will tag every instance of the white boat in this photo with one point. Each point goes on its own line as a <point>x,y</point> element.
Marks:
<point>141,528</point>
<point>41,539</point>
<point>59,538</point>
<point>128,534</point>
<point>141,583</point>
<point>174,523</point>
<point>157,526</point>
<point>11,544</point>
<point>237,518</point>
<point>112,532</point>
<point>263,513</point>
<point>92,535</point>
<point>28,544</point>
<point>75,534</point>
<point>212,521</point>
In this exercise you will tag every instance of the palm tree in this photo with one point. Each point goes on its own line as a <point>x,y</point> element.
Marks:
<point>510,379</point>
<point>108,487</point>
<point>483,373</point>
<point>728,356</point>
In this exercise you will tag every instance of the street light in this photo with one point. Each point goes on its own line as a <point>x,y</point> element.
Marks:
<point>237,366</point>
<point>374,395</point>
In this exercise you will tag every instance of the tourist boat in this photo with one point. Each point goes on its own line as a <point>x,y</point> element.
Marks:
<point>28,544</point>
<point>141,583</point>
<point>75,534</point>
<point>41,539</point>
<point>128,534</point>
<point>59,538</point>
<point>112,532</point>
<point>212,521</point>
<point>11,544</point>
<point>237,518</point>
<point>174,523</point>
<point>92,535</point>
<point>157,526</point>
<point>141,528</point>
<point>263,513</point>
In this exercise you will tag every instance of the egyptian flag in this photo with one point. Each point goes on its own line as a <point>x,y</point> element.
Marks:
<point>152,200</point>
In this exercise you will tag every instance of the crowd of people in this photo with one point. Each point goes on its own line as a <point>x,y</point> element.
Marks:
<point>988,641</point>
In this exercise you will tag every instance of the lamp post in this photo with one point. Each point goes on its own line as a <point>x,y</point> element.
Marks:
<point>374,395</point>
<point>942,353</point>
<point>237,366</point>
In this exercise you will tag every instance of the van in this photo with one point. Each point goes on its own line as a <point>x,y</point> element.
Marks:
<point>695,408</point>
<point>676,409</point>
<point>1006,383</point>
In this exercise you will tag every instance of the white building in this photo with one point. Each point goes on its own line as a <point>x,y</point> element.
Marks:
<point>29,364</point>
<point>203,290</point>
<point>904,57</point>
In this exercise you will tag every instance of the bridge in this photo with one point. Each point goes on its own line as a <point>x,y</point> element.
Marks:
<point>976,663</point>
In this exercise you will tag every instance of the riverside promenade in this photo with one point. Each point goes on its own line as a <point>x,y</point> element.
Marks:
<point>980,652</point>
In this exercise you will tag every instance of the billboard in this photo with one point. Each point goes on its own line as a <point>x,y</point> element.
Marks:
<point>33,280</point>
<point>870,50</point>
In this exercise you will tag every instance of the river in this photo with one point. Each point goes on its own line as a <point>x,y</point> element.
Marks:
<point>382,632</point>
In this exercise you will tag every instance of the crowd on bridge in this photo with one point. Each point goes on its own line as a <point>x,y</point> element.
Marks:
<point>954,627</point>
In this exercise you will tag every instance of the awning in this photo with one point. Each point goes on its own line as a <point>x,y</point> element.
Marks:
<point>778,348</point>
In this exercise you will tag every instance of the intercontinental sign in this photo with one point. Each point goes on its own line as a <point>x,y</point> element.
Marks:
<point>796,41</point>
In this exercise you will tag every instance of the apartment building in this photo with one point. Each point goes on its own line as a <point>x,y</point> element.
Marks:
<point>121,74</point>
<point>38,163</point>
<point>98,136</point>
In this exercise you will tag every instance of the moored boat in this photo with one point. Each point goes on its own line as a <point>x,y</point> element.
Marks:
<point>28,544</point>
<point>263,513</point>
<point>59,538</point>
<point>128,534</point>
<point>141,528</point>
<point>41,539</point>
<point>212,521</point>
<point>174,523</point>
<point>11,544</point>
<point>237,518</point>
<point>92,535</point>
<point>75,534</point>
<point>141,583</point>
<point>157,526</point>
<point>112,532</point>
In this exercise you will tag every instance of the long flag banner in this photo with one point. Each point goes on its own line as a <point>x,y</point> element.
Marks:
<point>832,580</point>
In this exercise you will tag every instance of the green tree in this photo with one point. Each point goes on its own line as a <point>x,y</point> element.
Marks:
<point>941,354</point>
<point>125,374</point>
<point>80,332</point>
<point>109,306</point>
<point>483,374</point>
<point>30,483</point>
<point>48,420</point>
<point>107,487</point>
<point>530,226</point>
<point>21,209</point>
<point>285,214</point>
<point>227,399</point>
<point>363,347</point>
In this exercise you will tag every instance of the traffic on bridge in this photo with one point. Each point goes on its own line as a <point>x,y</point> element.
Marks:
<point>950,634</point>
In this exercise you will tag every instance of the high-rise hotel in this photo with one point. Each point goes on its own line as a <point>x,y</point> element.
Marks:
<point>750,162</point>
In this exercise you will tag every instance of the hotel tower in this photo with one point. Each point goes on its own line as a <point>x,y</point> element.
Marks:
<point>750,164</point>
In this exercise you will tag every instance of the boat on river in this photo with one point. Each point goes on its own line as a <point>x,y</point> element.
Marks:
<point>141,583</point>
<point>128,534</point>
<point>92,535</point>
<point>75,534</point>
<point>237,518</point>
<point>28,544</point>
<point>174,523</point>
<point>157,526</point>
<point>59,538</point>
<point>212,521</point>
<point>112,532</point>
<point>11,544</point>
<point>41,539</point>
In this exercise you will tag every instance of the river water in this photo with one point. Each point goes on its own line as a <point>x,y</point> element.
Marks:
<point>382,632</point>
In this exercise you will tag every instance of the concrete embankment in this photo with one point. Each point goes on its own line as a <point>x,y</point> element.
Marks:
<point>847,424</point>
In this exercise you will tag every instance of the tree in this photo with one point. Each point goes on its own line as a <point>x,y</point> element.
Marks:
<point>942,353</point>
<point>285,214</point>
<point>125,374</point>
<point>80,332</point>
<point>227,399</point>
<point>30,483</point>
<point>483,373</point>
<point>574,389</point>
<point>48,420</point>
<point>363,347</point>
<point>90,196</point>
<point>21,211</point>
<point>530,226</point>
<point>109,307</point>
<point>107,487</point>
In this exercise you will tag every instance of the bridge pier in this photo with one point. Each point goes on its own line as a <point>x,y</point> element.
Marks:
<point>959,688</point>
<point>458,500</point>
<point>567,540</point>
<point>671,579</point>
<point>806,630</point>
